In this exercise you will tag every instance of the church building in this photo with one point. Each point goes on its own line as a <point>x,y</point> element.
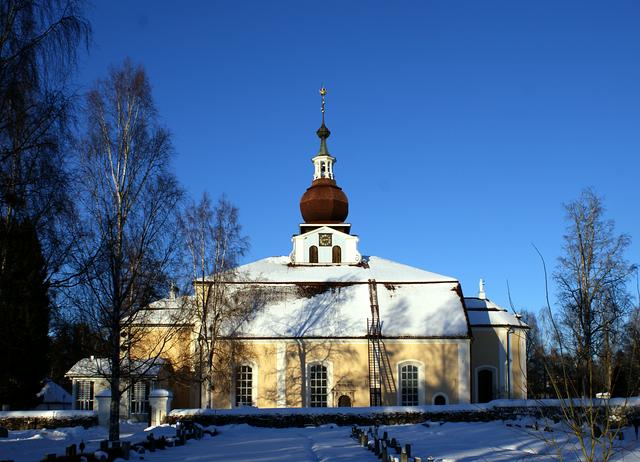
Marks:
<point>344,329</point>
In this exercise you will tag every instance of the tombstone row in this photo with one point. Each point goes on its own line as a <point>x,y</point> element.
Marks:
<point>111,450</point>
<point>384,448</point>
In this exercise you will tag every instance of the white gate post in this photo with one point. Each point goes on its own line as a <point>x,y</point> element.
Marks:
<point>103,399</point>
<point>160,403</point>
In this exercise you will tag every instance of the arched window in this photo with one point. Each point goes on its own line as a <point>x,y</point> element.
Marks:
<point>440,399</point>
<point>313,254</point>
<point>336,253</point>
<point>244,385</point>
<point>409,385</point>
<point>318,384</point>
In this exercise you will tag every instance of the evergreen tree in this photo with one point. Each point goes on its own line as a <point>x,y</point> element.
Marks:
<point>24,315</point>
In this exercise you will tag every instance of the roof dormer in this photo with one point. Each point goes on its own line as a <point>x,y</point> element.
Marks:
<point>325,246</point>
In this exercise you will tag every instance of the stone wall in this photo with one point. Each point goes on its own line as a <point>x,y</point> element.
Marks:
<point>276,419</point>
<point>25,420</point>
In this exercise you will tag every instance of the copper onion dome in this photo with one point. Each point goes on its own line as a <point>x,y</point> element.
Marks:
<point>324,201</point>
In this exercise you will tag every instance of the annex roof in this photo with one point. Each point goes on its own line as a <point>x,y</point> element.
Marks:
<point>101,367</point>
<point>483,312</point>
<point>171,311</point>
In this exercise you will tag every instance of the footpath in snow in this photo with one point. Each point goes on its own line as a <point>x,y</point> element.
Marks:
<point>245,443</point>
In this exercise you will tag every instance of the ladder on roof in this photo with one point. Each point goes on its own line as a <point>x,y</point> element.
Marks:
<point>380,372</point>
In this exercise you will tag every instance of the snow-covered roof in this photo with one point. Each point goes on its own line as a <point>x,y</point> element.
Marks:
<point>51,392</point>
<point>406,310</point>
<point>101,367</point>
<point>166,311</point>
<point>334,300</point>
<point>483,312</point>
<point>279,269</point>
<point>166,303</point>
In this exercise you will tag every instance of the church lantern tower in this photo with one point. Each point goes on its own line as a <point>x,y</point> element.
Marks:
<point>324,208</point>
<point>324,202</point>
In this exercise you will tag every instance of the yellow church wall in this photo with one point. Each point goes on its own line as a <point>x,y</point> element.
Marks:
<point>263,356</point>
<point>489,350</point>
<point>484,349</point>
<point>348,370</point>
<point>169,343</point>
<point>173,345</point>
<point>347,363</point>
<point>519,364</point>
<point>440,369</point>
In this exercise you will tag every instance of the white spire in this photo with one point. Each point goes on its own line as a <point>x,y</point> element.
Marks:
<point>481,294</point>
<point>323,161</point>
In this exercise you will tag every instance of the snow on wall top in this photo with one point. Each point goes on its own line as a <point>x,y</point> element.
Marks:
<point>279,269</point>
<point>49,414</point>
<point>483,312</point>
<point>333,301</point>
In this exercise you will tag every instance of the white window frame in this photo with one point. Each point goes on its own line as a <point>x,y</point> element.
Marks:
<point>329,367</point>
<point>146,407</point>
<point>88,402</point>
<point>254,383</point>
<point>421,380</point>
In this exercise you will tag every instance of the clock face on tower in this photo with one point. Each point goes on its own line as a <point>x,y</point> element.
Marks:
<point>325,239</point>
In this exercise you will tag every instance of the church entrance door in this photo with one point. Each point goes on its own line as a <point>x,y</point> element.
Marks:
<point>344,401</point>
<point>485,385</point>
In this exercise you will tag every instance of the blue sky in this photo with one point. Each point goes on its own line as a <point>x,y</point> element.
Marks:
<point>460,127</point>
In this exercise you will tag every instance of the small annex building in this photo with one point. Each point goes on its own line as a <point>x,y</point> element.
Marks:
<point>343,329</point>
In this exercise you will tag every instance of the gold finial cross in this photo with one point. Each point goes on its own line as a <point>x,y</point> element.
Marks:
<point>323,92</point>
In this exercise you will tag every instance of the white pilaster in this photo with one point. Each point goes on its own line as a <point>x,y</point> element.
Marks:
<point>464,370</point>
<point>522,338</point>
<point>103,401</point>
<point>510,363</point>
<point>281,369</point>
<point>502,360</point>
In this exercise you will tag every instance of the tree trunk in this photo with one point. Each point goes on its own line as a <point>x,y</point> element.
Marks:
<point>114,409</point>
<point>303,372</point>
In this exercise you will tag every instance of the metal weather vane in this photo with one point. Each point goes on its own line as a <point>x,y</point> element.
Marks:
<point>323,92</point>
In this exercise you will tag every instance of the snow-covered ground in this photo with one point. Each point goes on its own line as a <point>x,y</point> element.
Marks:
<point>33,445</point>
<point>490,441</point>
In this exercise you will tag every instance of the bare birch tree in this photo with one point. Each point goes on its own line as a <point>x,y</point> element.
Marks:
<point>593,299</point>
<point>215,243</point>
<point>592,305</point>
<point>129,200</point>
